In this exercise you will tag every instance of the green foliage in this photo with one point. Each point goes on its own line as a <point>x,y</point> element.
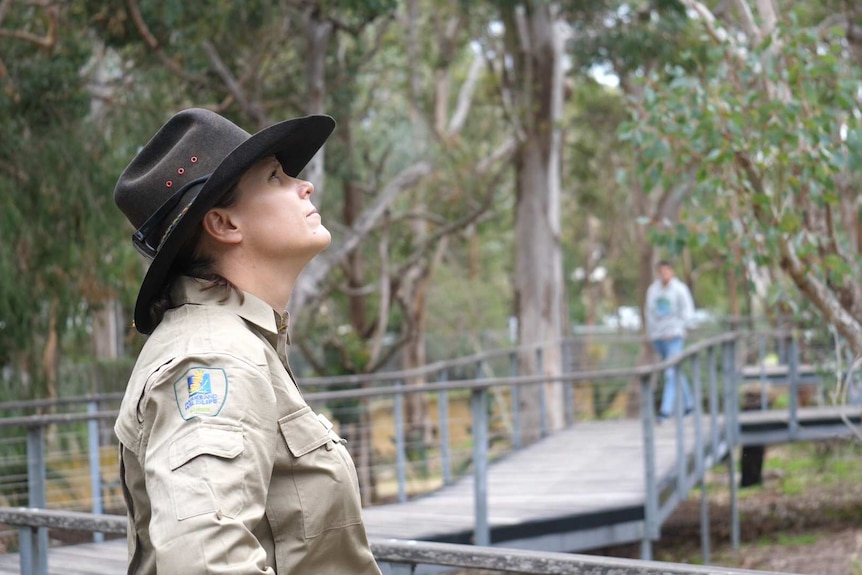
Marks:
<point>58,226</point>
<point>631,35</point>
<point>770,135</point>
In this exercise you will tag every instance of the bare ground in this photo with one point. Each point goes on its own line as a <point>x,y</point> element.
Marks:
<point>815,532</point>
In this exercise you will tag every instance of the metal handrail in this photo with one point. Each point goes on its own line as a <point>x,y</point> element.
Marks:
<point>718,354</point>
<point>405,555</point>
<point>395,376</point>
<point>430,387</point>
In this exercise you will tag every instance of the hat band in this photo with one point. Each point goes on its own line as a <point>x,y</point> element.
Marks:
<point>141,238</point>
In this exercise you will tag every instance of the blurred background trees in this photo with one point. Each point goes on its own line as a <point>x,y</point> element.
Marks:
<point>493,159</point>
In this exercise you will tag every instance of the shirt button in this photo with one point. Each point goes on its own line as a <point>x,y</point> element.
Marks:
<point>218,514</point>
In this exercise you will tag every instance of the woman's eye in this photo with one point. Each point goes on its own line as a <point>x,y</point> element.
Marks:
<point>274,174</point>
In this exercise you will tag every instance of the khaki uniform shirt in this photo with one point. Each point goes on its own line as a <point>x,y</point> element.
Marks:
<point>224,466</point>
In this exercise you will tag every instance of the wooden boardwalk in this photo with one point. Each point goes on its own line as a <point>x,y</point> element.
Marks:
<point>578,488</point>
<point>90,559</point>
<point>764,427</point>
<point>586,478</point>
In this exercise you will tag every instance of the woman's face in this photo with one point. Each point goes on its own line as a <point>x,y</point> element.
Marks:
<point>276,216</point>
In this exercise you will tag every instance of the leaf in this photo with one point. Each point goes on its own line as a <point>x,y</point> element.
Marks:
<point>789,223</point>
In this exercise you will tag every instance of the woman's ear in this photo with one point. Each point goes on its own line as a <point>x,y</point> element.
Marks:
<point>218,224</point>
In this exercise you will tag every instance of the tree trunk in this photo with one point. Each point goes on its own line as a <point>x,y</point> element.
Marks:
<point>539,298</point>
<point>318,32</point>
<point>50,369</point>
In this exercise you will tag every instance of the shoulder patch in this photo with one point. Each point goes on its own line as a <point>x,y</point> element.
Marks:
<point>201,392</point>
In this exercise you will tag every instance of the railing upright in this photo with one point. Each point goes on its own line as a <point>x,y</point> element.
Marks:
<point>543,406</point>
<point>729,401</point>
<point>94,453</point>
<point>712,360</point>
<point>793,374</point>
<point>443,418</point>
<point>651,521</point>
<point>568,386</point>
<point>700,458</point>
<point>479,409</point>
<point>34,542</point>
<point>516,401</point>
<point>400,444</point>
<point>761,359</point>
<point>679,410</point>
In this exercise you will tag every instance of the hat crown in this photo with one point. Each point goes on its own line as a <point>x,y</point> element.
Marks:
<point>192,144</point>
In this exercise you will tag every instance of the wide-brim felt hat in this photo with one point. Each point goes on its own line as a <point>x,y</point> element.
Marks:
<point>182,172</point>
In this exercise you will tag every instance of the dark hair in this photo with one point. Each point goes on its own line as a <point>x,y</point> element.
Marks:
<point>664,263</point>
<point>191,262</point>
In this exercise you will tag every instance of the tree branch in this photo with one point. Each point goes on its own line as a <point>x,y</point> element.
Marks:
<point>716,32</point>
<point>465,97</point>
<point>316,271</point>
<point>5,5</point>
<point>766,10</point>
<point>48,41</point>
<point>155,46</point>
<point>747,17</point>
<point>385,299</point>
<point>821,296</point>
<point>252,108</point>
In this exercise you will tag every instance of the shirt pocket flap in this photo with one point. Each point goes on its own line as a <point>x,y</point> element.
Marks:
<point>303,431</point>
<point>221,440</point>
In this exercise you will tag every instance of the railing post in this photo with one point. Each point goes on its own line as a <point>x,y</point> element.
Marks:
<point>761,357</point>
<point>729,401</point>
<point>651,487</point>
<point>700,457</point>
<point>36,496</point>
<point>568,386</point>
<point>679,410</point>
<point>516,402</point>
<point>793,374</point>
<point>26,536</point>
<point>543,407</point>
<point>479,409</point>
<point>711,359</point>
<point>443,418</point>
<point>95,464</point>
<point>400,444</point>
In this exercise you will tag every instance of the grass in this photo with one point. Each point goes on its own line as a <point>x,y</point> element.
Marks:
<point>787,539</point>
<point>810,495</point>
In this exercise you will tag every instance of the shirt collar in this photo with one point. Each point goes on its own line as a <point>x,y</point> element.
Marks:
<point>188,290</point>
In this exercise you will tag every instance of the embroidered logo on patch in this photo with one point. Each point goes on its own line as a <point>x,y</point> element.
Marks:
<point>201,392</point>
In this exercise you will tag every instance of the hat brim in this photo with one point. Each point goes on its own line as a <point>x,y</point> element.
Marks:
<point>293,142</point>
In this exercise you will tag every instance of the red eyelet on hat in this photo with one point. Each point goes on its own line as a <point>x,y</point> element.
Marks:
<point>194,159</point>
<point>169,184</point>
<point>181,171</point>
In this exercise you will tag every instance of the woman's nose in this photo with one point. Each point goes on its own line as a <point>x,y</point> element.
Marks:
<point>305,189</point>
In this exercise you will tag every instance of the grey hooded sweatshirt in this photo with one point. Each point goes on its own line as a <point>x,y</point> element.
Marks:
<point>669,308</point>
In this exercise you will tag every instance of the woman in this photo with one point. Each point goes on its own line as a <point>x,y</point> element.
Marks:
<point>224,467</point>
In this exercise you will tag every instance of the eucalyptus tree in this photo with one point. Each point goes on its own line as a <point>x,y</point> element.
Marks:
<point>408,170</point>
<point>524,47</point>
<point>769,121</point>
<point>59,254</point>
<point>413,107</point>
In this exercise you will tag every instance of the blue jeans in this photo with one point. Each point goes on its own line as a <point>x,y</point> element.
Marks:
<point>668,348</point>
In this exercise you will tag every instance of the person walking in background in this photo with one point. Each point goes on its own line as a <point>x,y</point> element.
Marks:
<point>669,307</point>
<point>224,466</point>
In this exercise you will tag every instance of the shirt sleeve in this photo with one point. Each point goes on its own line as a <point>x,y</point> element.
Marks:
<point>687,305</point>
<point>207,463</point>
